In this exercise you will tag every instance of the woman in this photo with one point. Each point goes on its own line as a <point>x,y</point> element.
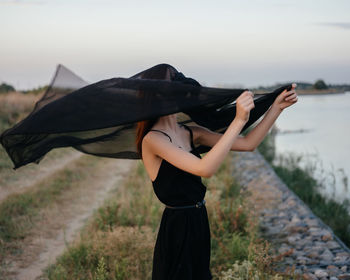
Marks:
<point>182,249</point>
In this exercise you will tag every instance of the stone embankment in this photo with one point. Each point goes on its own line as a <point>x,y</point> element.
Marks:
<point>288,223</point>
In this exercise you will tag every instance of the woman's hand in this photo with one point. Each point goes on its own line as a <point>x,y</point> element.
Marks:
<point>286,98</point>
<point>244,104</point>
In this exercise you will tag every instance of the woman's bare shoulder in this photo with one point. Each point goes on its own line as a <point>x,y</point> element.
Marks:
<point>153,138</point>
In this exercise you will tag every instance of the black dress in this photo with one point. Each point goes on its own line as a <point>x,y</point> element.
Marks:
<point>182,249</point>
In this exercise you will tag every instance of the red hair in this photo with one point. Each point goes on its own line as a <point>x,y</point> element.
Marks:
<point>143,127</point>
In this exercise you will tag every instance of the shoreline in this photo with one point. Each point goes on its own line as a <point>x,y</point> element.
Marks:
<point>309,92</point>
<point>287,222</point>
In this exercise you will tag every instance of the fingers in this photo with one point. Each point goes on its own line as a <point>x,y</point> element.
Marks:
<point>294,85</point>
<point>295,99</point>
<point>248,92</point>
<point>246,100</point>
<point>246,95</point>
<point>291,95</point>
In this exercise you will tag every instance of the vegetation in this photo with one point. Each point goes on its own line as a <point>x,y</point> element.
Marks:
<point>14,107</point>
<point>118,241</point>
<point>303,87</point>
<point>6,88</point>
<point>320,84</point>
<point>19,212</point>
<point>19,209</point>
<point>38,90</point>
<point>304,183</point>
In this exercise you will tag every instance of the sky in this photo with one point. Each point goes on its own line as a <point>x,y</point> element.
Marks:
<point>219,43</point>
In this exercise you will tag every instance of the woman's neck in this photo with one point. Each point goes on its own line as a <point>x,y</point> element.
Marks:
<point>168,123</point>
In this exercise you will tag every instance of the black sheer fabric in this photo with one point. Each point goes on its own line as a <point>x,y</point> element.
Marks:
<point>100,118</point>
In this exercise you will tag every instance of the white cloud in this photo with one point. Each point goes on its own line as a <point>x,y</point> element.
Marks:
<point>342,25</point>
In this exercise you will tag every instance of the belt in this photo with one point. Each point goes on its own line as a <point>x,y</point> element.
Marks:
<point>197,205</point>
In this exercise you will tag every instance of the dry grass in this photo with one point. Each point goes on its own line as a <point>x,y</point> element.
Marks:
<point>119,242</point>
<point>125,251</point>
<point>14,106</point>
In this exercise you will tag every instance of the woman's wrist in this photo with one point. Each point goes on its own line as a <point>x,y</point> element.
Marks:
<point>276,108</point>
<point>239,121</point>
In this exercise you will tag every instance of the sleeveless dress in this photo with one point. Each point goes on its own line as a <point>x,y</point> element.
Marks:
<point>182,249</point>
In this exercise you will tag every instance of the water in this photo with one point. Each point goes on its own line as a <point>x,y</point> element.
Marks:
<point>327,121</point>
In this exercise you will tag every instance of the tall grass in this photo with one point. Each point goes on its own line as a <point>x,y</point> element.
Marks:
<point>118,242</point>
<point>300,175</point>
<point>14,106</point>
<point>120,235</point>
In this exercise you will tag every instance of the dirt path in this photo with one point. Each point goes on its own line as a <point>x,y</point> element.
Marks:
<point>62,223</point>
<point>14,181</point>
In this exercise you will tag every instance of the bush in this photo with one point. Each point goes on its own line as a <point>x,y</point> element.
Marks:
<point>320,84</point>
<point>6,88</point>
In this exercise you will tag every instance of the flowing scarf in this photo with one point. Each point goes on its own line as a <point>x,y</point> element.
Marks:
<point>100,118</point>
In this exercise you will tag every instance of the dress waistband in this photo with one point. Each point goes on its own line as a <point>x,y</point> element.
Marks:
<point>197,205</point>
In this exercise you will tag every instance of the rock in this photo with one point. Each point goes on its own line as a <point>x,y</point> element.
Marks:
<point>332,244</point>
<point>292,229</point>
<point>303,260</point>
<point>274,231</point>
<point>343,254</point>
<point>321,273</point>
<point>288,260</point>
<point>284,249</point>
<point>291,202</point>
<point>327,255</point>
<point>311,222</point>
<point>327,236</point>
<point>341,259</point>
<point>293,238</point>
<point>314,261</point>
<point>333,270</point>
<point>309,276</point>
<point>316,251</point>
<point>295,219</point>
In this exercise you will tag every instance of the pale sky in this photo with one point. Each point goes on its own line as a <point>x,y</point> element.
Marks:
<point>246,43</point>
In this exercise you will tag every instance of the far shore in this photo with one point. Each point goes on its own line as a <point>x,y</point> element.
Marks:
<point>310,91</point>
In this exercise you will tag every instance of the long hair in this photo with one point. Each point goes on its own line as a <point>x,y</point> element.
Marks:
<point>143,127</point>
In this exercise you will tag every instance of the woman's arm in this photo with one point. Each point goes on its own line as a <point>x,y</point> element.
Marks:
<point>251,141</point>
<point>258,133</point>
<point>158,145</point>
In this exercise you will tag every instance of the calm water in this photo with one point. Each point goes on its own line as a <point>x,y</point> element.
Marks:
<point>327,121</point>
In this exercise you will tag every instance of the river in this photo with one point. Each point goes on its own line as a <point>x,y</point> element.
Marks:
<point>325,121</point>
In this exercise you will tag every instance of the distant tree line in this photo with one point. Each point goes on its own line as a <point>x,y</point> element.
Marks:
<point>6,88</point>
<point>318,85</point>
<point>36,90</point>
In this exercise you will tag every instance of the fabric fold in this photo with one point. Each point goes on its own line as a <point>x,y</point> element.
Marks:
<point>100,118</point>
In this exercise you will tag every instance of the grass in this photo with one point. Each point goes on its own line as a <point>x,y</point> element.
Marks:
<point>302,180</point>
<point>118,241</point>
<point>14,106</point>
<point>20,211</point>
